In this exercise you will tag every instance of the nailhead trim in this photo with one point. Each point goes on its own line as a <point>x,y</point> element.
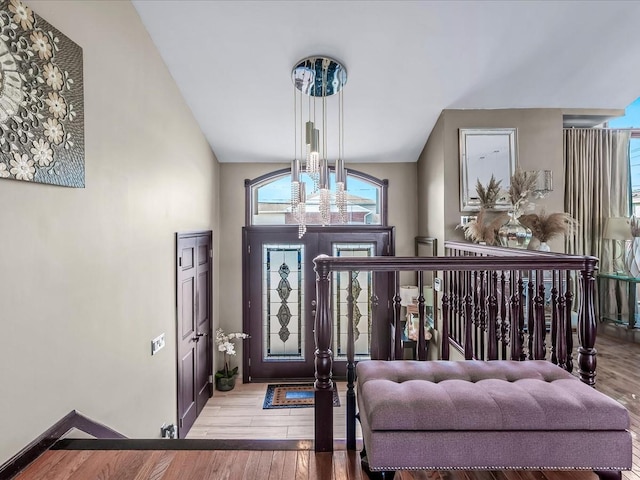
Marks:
<point>496,467</point>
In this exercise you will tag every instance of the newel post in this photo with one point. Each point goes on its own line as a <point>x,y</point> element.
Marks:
<point>323,359</point>
<point>587,325</point>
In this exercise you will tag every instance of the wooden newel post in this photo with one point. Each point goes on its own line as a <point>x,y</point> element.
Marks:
<point>587,325</point>
<point>323,359</point>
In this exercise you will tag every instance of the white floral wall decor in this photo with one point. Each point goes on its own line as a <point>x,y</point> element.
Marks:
<point>41,100</point>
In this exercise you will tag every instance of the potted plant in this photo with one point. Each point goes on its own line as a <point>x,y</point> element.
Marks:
<point>545,226</point>
<point>484,227</point>
<point>226,377</point>
<point>513,233</point>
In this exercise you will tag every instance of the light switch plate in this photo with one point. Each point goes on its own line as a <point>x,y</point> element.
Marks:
<point>157,344</point>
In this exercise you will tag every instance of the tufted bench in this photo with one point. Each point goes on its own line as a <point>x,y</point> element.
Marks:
<point>495,415</point>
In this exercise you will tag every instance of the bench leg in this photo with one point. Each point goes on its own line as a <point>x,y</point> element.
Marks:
<point>386,475</point>
<point>608,474</point>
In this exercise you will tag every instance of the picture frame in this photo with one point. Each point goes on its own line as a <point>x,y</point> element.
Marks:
<point>485,152</point>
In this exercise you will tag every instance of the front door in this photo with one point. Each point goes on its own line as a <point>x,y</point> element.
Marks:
<point>280,298</point>
<point>195,348</point>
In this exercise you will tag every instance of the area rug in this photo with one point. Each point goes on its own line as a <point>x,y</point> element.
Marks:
<point>293,395</point>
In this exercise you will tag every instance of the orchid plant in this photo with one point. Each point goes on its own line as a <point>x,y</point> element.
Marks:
<point>224,341</point>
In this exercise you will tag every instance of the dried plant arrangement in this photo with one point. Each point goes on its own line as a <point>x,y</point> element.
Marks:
<point>490,194</point>
<point>522,185</point>
<point>545,227</point>
<point>484,228</point>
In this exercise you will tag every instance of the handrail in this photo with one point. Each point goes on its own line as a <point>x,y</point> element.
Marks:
<point>466,258</point>
<point>406,264</point>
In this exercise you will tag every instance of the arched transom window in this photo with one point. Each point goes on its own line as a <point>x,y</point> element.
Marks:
<point>269,200</point>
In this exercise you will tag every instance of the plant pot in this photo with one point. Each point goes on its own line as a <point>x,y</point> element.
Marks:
<point>543,247</point>
<point>224,384</point>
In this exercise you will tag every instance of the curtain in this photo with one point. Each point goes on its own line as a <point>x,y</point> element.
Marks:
<point>597,186</point>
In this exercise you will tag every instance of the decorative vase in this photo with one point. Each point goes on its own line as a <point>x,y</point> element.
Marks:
<point>224,384</point>
<point>513,233</point>
<point>543,247</point>
<point>632,259</point>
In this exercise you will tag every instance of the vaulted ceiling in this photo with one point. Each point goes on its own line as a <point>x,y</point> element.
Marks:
<point>406,62</point>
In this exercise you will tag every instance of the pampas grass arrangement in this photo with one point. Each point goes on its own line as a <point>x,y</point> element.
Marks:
<point>545,227</point>
<point>490,194</point>
<point>522,185</point>
<point>484,228</point>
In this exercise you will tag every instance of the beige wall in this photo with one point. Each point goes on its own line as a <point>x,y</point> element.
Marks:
<point>540,147</point>
<point>431,191</point>
<point>403,214</point>
<point>87,275</point>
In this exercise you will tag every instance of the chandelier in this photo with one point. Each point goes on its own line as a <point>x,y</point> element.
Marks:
<point>317,77</point>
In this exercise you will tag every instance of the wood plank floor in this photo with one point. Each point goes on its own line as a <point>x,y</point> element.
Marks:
<point>239,414</point>
<point>618,377</point>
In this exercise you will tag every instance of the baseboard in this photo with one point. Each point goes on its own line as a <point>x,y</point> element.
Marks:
<point>37,447</point>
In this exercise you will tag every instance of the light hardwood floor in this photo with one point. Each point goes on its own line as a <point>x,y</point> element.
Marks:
<point>239,414</point>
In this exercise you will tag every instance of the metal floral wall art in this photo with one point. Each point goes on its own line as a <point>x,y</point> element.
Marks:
<point>41,100</point>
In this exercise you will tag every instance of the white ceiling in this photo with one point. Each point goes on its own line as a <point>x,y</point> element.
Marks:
<point>406,62</point>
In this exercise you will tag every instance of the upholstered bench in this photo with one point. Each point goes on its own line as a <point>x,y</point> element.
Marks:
<point>495,415</point>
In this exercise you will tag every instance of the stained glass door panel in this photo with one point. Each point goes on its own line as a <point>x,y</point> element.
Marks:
<point>279,293</point>
<point>362,292</point>
<point>283,302</point>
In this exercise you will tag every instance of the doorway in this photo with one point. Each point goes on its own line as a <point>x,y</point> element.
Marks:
<point>279,298</point>
<point>194,336</point>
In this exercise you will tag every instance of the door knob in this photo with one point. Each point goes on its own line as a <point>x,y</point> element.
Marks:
<point>197,336</point>
<point>313,303</point>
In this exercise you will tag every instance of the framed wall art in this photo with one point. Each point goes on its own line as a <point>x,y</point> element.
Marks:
<point>485,152</point>
<point>41,100</point>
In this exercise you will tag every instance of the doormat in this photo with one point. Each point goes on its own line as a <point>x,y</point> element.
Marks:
<point>293,395</point>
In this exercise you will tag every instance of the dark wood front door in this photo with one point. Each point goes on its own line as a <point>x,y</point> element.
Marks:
<point>194,336</point>
<point>280,297</point>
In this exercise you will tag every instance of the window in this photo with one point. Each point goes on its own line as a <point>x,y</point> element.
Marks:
<point>631,119</point>
<point>269,200</point>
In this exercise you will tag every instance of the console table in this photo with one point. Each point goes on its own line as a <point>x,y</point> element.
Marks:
<point>630,285</point>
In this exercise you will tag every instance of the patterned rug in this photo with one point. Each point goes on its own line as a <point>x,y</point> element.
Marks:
<point>293,395</point>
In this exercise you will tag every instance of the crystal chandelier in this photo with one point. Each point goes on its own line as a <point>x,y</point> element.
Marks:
<point>317,77</point>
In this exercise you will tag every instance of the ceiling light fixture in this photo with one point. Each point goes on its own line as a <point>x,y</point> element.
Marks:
<point>317,77</point>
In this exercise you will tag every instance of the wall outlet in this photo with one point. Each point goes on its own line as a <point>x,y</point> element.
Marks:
<point>157,344</point>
